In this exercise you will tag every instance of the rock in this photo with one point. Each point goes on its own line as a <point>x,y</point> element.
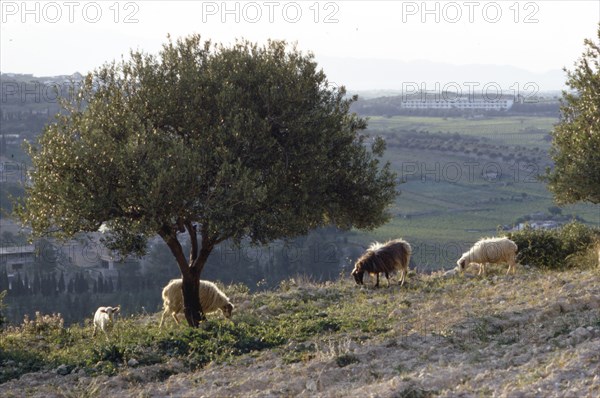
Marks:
<point>451,272</point>
<point>176,364</point>
<point>263,309</point>
<point>580,334</point>
<point>594,302</point>
<point>562,307</point>
<point>244,305</point>
<point>311,385</point>
<point>133,363</point>
<point>567,287</point>
<point>63,370</point>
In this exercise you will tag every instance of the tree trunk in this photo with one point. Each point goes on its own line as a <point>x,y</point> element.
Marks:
<point>190,271</point>
<point>191,297</point>
<point>191,288</point>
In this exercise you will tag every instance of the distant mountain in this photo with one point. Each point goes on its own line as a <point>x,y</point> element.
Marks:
<point>28,77</point>
<point>385,76</point>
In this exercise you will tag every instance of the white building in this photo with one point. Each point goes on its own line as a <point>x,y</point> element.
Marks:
<point>456,101</point>
<point>545,224</point>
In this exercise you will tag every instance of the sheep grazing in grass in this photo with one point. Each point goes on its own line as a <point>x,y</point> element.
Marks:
<point>211,299</point>
<point>386,258</point>
<point>103,318</point>
<point>490,251</point>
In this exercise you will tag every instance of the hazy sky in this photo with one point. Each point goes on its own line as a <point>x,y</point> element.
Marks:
<point>61,37</point>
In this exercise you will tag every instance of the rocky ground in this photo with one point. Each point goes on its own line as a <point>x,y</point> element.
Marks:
<point>532,334</point>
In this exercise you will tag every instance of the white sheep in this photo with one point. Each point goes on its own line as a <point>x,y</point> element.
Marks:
<point>490,250</point>
<point>211,299</point>
<point>103,318</point>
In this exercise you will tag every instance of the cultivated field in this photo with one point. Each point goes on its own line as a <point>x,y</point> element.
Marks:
<point>466,178</point>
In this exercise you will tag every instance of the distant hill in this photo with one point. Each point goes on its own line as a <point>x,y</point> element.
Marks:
<point>389,74</point>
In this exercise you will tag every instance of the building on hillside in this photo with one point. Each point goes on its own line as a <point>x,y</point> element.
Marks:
<point>89,253</point>
<point>456,101</point>
<point>16,259</point>
<point>111,263</point>
<point>545,224</point>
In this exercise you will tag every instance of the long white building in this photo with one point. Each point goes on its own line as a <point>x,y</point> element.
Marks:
<point>455,101</point>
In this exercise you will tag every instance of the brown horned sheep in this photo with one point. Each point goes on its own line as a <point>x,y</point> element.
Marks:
<point>386,258</point>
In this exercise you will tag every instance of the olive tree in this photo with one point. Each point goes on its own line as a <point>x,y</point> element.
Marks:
<point>206,142</point>
<point>576,138</point>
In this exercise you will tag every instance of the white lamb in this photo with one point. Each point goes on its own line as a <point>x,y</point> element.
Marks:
<point>103,318</point>
<point>211,299</point>
<point>490,250</point>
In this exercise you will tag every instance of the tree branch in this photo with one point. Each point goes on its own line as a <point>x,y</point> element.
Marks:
<point>180,224</point>
<point>170,237</point>
<point>208,245</point>
<point>194,240</point>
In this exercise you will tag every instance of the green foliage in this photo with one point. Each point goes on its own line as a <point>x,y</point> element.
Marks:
<point>247,141</point>
<point>577,237</point>
<point>553,248</point>
<point>576,138</point>
<point>538,247</point>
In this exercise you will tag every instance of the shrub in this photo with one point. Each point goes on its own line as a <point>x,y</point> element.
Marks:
<point>43,324</point>
<point>577,237</point>
<point>553,249</point>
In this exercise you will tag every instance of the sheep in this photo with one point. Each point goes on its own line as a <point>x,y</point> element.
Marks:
<point>490,250</point>
<point>392,256</point>
<point>211,299</point>
<point>103,318</point>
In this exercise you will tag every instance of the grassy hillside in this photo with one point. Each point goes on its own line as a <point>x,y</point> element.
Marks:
<point>437,336</point>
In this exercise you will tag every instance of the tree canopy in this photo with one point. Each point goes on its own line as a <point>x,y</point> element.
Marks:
<point>576,138</point>
<point>239,142</point>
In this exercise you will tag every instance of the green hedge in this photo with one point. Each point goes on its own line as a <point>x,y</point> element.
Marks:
<point>555,248</point>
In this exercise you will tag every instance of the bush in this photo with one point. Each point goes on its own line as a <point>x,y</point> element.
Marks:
<point>42,324</point>
<point>556,248</point>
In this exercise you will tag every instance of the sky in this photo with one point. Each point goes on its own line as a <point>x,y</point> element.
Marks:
<point>360,44</point>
